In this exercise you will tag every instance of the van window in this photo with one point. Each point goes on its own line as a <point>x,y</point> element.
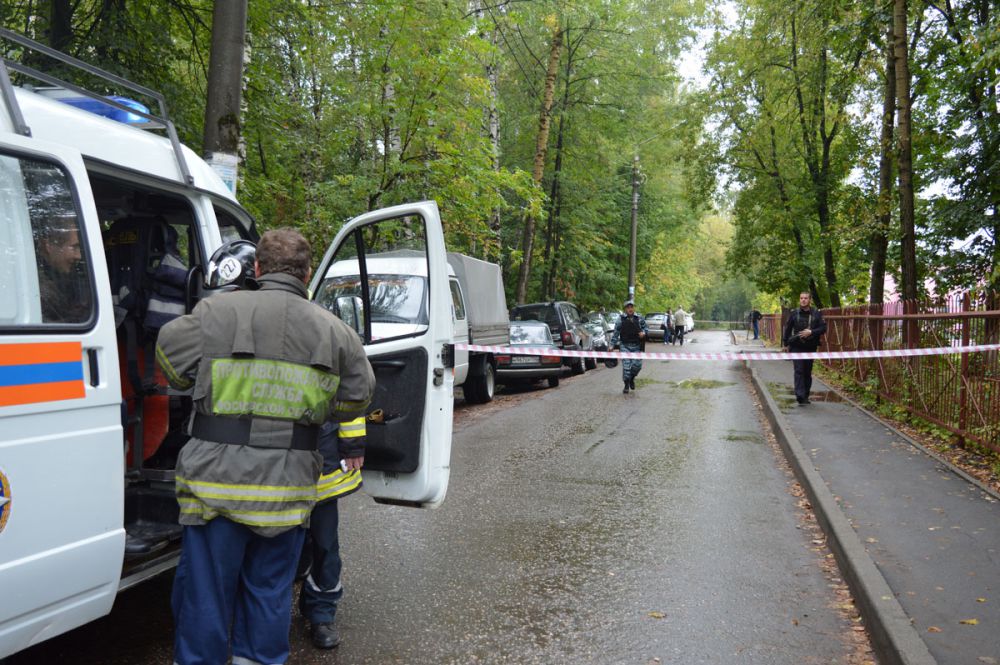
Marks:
<point>230,228</point>
<point>46,271</point>
<point>456,300</point>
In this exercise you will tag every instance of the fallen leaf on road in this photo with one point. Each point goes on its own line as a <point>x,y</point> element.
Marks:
<point>656,615</point>
<point>871,540</point>
<point>988,660</point>
<point>980,600</point>
<point>970,622</point>
<point>795,622</point>
<point>933,629</point>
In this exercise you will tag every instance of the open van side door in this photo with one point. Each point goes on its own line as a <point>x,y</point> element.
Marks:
<point>62,539</point>
<point>408,452</point>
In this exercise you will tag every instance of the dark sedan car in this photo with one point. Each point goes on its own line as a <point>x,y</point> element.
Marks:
<point>517,368</point>
<point>566,326</point>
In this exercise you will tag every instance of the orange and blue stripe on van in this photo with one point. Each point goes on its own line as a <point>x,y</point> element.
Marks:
<point>34,373</point>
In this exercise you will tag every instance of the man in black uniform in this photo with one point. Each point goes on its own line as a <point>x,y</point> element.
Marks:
<point>630,333</point>
<point>802,334</point>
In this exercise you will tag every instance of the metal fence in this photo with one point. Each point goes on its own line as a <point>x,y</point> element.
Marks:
<point>959,392</point>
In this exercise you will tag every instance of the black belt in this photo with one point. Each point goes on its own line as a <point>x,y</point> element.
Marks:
<point>223,429</point>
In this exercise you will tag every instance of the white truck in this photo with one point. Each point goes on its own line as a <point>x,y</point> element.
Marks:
<point>481,317</point>
<point>106,230</point>
<point>399,283</point>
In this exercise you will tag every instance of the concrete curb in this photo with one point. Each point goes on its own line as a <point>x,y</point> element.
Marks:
<point>895,640</point>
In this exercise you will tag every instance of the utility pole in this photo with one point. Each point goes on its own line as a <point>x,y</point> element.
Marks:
<point>635,226</point>
<point>225,89</point>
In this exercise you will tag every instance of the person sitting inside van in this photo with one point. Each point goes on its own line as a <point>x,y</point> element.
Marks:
<point>63,286</point>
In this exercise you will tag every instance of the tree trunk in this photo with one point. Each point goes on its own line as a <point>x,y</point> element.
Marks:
<point>548,259</point>
<point>541,147</point>
<point>880,236</point>
<point>60,24</point>
<point>906,214</point>
<point>817,160</point>
<point>225,78</point>
<point>492,119</point>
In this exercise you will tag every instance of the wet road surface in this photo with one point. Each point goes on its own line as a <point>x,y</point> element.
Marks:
<point>581,526</point>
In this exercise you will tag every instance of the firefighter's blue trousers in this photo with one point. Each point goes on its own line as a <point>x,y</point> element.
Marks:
<point>230,577</point>
<point>322,590</point>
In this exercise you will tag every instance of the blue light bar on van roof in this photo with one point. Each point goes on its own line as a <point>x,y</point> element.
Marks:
<point>106,110</point>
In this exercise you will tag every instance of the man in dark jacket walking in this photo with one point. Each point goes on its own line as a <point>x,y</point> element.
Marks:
<point>802,333</point>
<point>630,334</point>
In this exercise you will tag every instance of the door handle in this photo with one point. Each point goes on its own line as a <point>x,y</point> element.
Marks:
<point>95,375</point>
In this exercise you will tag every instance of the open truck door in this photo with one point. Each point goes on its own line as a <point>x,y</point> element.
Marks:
<point>406,326</point>
<point>61,461</point>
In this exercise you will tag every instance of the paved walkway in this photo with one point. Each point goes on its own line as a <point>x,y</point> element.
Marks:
<point>932,533</point>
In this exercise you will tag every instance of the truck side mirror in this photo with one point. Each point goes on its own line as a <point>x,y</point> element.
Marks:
<point>351,310</point>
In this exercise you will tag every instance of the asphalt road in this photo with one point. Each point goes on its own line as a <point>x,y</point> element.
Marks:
<point>581,526</point>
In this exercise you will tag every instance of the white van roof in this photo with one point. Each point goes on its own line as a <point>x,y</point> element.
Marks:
<point>398,262</point>
<point>110,141</point>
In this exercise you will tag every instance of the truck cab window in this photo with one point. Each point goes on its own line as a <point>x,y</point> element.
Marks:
<point>456,300</point>
<point>47,274</point>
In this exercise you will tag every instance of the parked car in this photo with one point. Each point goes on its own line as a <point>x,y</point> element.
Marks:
<point>604,319</point>
<point>601,339</point>
<point>516,368</point>
<point>566,325</point>
<point>654,323</point>
<point>689,322</point>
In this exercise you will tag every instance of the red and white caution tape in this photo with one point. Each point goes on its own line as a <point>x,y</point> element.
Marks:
<point>752,355</point>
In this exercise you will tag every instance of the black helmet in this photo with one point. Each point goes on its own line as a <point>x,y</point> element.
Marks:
<point>233,265</point>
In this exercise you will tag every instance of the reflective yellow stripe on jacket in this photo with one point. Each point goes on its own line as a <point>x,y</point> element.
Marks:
<point>252,505</point>
<point>339,483</point>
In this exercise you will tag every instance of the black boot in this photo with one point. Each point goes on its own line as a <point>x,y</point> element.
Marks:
<point>626,387</point>
<point>631,383</point>
<point>325,635</point>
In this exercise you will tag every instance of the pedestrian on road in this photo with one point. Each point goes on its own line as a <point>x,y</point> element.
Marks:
<point>321,588</point>
<point>802,334</point>
<point>680,318</point>
<point>266,369</point>
<point>630,333</point>
<point>755,317</point>
<point>668,326</point>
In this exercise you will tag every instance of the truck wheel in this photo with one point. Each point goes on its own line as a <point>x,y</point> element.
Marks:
<point>480,389</point>
<point>554,382</point>
<point>578,366</point>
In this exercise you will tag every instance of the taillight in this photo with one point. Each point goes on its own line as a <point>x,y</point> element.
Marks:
<point>567,337</point>
<point>503,360</point>
<point>546,360</point>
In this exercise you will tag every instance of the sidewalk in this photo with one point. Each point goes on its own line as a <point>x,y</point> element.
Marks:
<point>917,540</point>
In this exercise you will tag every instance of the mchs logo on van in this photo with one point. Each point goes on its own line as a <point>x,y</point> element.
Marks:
<point>4,500</point>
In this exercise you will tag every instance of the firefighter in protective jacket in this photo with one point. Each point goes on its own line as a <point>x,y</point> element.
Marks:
<point>266,369</point>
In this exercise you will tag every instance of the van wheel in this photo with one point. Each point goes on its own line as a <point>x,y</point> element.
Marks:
<point>591,363</point>
<point>578,366</point>
<point>480,389</point>
<point>553,382</point>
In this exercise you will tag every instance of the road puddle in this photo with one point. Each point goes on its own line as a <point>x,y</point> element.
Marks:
<point>785,398</point>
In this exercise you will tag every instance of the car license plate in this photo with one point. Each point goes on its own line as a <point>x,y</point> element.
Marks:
<point>523,360</point>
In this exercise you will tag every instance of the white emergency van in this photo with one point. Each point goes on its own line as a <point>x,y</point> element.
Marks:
<point>107,229</point>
